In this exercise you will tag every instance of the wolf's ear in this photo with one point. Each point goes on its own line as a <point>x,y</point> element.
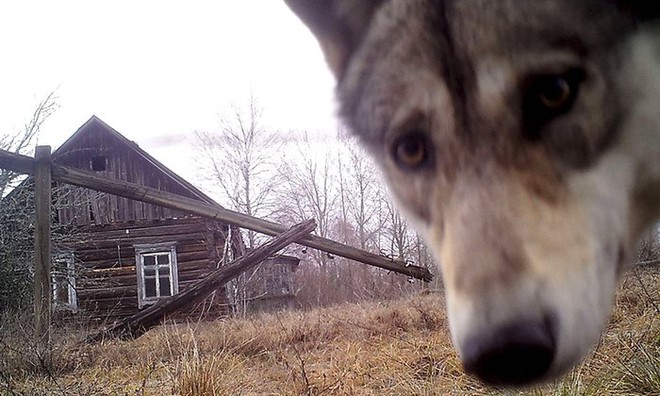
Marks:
<point>339,26</point>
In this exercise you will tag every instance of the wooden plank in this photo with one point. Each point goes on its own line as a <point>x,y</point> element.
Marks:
<point>129,241</point>
<point>91,256</point>
<point>188,220</point>
<point>96,267</point>
<point>42,245</point>
<point>141,322</point>
<point>189,205</point>
<point>108,272</point>
<point>128,304</point>
<point>109,292</point>
<point>103,255</point>
<point>152,229</point>
<point>127,275</point>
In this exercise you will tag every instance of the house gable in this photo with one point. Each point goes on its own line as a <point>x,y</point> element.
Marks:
<point>96,147</point>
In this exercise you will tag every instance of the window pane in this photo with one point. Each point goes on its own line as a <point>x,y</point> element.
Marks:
<point>62,290</point>
<point>149,271</point>
<point>163,258</point>
<point>165,286</point>
<point>164,271</point>
<point>150,287</point>
<point>149,260</point>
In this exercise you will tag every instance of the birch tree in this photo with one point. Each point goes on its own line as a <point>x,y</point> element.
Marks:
<point>241,158</point>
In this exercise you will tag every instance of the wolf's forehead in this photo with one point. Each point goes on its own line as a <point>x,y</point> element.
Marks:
<point>448,39</point>
<point>511,25</point>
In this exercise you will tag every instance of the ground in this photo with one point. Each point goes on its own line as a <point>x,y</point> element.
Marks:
<point>398,347</point>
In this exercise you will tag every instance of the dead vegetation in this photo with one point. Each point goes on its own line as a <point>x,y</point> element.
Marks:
<point>395,348</point>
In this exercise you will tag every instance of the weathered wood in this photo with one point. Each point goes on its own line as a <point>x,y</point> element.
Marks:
<point>42,242</point>
<point>141,322</point>
<point>16,162</point>
<point>98,148</point>
<point>112,243</point>
<point>107,292</point>
<point>150,230</point>
<point>126,275</point>
<point>162,198</point>
<point>97,268</point>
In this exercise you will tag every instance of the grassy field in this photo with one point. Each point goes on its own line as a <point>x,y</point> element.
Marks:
<point>394,348</point>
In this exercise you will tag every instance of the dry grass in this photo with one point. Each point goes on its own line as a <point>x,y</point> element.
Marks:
<point>393,348</point>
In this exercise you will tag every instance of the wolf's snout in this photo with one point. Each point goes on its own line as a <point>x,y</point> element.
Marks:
<point>514,354</point>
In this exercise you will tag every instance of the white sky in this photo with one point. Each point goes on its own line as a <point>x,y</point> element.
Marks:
<point>158,70</point>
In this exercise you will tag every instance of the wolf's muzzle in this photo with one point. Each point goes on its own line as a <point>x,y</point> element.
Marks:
<point>517,353</point>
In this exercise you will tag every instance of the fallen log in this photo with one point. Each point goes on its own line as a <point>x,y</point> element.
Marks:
<point>138,324</point>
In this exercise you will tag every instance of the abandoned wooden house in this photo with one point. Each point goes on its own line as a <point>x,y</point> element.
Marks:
<point>121,255</point>
<point>268,287</point>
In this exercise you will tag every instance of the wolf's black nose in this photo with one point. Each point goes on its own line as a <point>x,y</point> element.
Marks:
<point>515,354</point>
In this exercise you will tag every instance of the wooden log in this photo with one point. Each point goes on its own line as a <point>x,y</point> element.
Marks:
<point>108,292</point>
<point>100,244</point>
<point>154,196</point>
<point>16,162</point>
<point>136,325</point>
<point>151,229</point>
<point>42,242</point>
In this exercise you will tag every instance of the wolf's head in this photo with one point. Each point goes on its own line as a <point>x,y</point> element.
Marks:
<point>522,138</point>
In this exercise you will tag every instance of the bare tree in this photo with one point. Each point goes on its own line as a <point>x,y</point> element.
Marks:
<point>309,190</point>
<point>241,157</point>
<point>362,221</point>
<point>362,194</point>
<point>338,186</point>
<point>309,187</point>
<point>22,141</point>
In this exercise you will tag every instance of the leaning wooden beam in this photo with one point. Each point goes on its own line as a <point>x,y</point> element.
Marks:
<point>16,162</point>
<point>24,164</point>
<point>138,324</point>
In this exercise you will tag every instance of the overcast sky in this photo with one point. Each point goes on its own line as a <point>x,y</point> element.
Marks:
<point>158,70</point>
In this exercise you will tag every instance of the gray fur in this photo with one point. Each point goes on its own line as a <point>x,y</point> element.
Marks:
<point>530,210</point>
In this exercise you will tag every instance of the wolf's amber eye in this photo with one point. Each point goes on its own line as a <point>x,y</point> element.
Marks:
<point>554,92</point>
<point>547,96</point>
<point>411,151</point>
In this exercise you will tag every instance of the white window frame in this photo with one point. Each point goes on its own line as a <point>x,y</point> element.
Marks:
<point>67,273</point>
<point>155,249</point>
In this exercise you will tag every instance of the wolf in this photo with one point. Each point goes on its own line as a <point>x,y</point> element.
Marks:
<point>522,140</point>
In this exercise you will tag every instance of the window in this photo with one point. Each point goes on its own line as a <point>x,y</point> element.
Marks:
<point>99,163</point>
<point>63,277</point>
<point>156,272</point>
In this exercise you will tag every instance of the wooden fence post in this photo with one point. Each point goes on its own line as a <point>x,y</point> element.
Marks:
<point>42,253</point>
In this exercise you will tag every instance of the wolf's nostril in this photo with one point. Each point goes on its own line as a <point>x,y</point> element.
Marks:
<point>515,354</point>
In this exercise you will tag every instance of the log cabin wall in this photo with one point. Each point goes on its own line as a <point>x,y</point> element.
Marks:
<point>105,258</point>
